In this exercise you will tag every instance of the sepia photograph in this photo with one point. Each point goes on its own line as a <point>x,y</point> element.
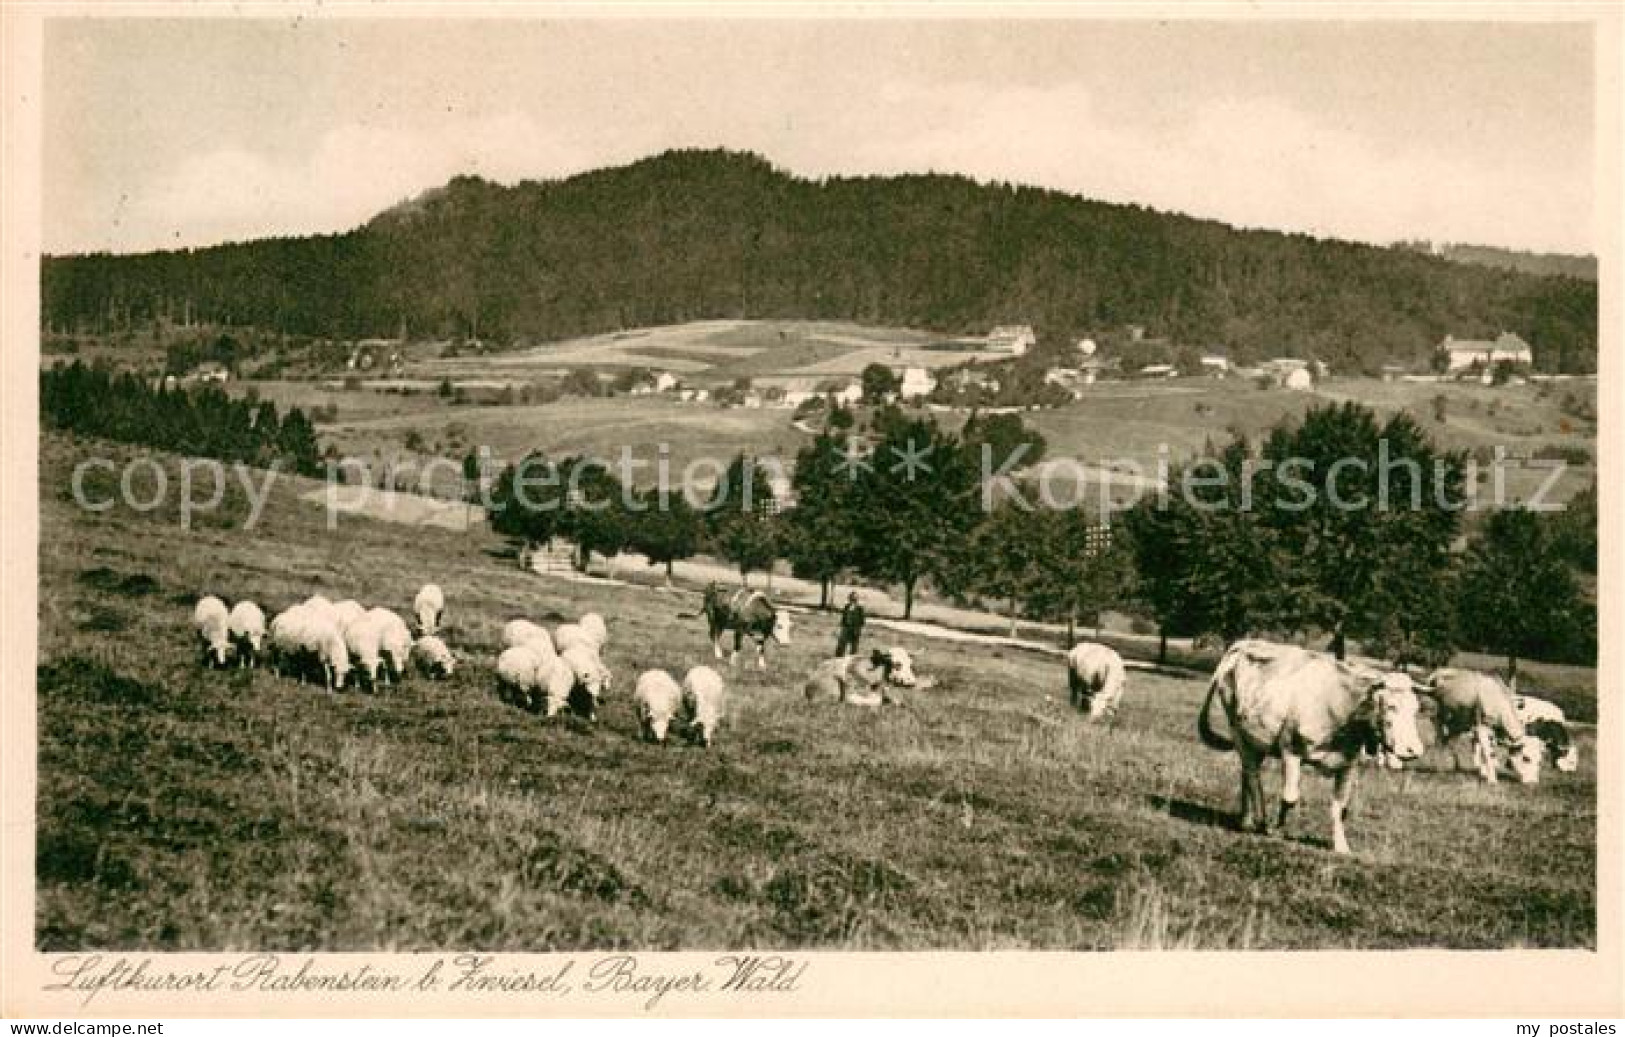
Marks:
<point>534,492</point>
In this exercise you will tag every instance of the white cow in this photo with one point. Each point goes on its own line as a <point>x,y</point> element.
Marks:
<point>1094,679</point>
<point>1546,721</point>
<point>862,681</point>
<point>1305,707</point>
<point>1477,703</point>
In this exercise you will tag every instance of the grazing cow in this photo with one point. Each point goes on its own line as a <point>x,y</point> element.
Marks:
<point>1545,721</point>
<point>745,612</point>
<point>862,682</point>
<point>1474,702</point>
<point>1094,679</point>
<point>1305,707</point>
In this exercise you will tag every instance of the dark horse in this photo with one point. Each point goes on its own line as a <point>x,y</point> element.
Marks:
<point>745,612</point>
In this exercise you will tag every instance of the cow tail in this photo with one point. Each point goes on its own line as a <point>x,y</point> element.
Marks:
<point>1204,720</point>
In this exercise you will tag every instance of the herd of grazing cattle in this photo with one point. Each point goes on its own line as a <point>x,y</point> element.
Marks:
<point>1281,701</point>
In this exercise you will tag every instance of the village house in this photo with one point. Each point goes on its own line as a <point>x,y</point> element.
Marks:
<point>793,392</point>
<point>970,378</point>
<point>207,372</point>
<point>1461,354</point>
<point>1072,380</point>
<point>1288,372</point>
<point>1014,339</point>
<point>660,381</point>
<point>1215,364</point>
<point>1298,380</point>
<point>916,382</point>
<point>850,396</point>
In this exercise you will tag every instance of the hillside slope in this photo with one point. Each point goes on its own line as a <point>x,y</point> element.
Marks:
<point>184,809</point>
<point>695,234</point>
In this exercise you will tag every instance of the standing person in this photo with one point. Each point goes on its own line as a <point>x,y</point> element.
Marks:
<point>851,626</point>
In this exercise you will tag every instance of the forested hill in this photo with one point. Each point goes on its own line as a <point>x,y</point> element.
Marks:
<point>693,234</point>
<point>1543,263</point>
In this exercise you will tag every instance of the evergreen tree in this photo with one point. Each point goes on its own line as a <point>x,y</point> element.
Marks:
<point>1520,598</point>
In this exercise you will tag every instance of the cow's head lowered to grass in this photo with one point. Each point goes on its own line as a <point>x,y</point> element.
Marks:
<point>896,664</point>
<point>1395,708</point>
<point>781,626</point>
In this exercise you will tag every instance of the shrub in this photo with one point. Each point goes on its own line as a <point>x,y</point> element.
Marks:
<point>1569,453</point>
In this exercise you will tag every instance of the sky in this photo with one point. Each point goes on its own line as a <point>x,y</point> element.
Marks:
<point>164,133</point>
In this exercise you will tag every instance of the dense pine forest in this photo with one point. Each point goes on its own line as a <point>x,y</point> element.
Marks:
<point>696,234</point>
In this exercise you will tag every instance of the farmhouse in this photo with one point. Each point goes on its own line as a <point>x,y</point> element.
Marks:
<point>1461,353</point>
<point>1070,379</point>
<point>970,378</point>
<point>793,392</point>
<point>851,395</point>
<point>1014,339</point>
<point>1158,371</point>
<point>208,371</point>
<point>660,381</point>
<point>1298,380</point>
<point>916,382</point>
<point>1288,372</point>
<point>1216,364</point>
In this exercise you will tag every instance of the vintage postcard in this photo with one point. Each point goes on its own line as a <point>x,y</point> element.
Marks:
<point>581,510</point>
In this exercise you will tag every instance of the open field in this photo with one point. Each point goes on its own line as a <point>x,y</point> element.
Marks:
<point>184,809</point>
<point>1141,422</point>
<point>599,427</point>
<point>716,351</point>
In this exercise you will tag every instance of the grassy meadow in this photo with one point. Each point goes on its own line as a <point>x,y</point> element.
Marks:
<point>187,809</point>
